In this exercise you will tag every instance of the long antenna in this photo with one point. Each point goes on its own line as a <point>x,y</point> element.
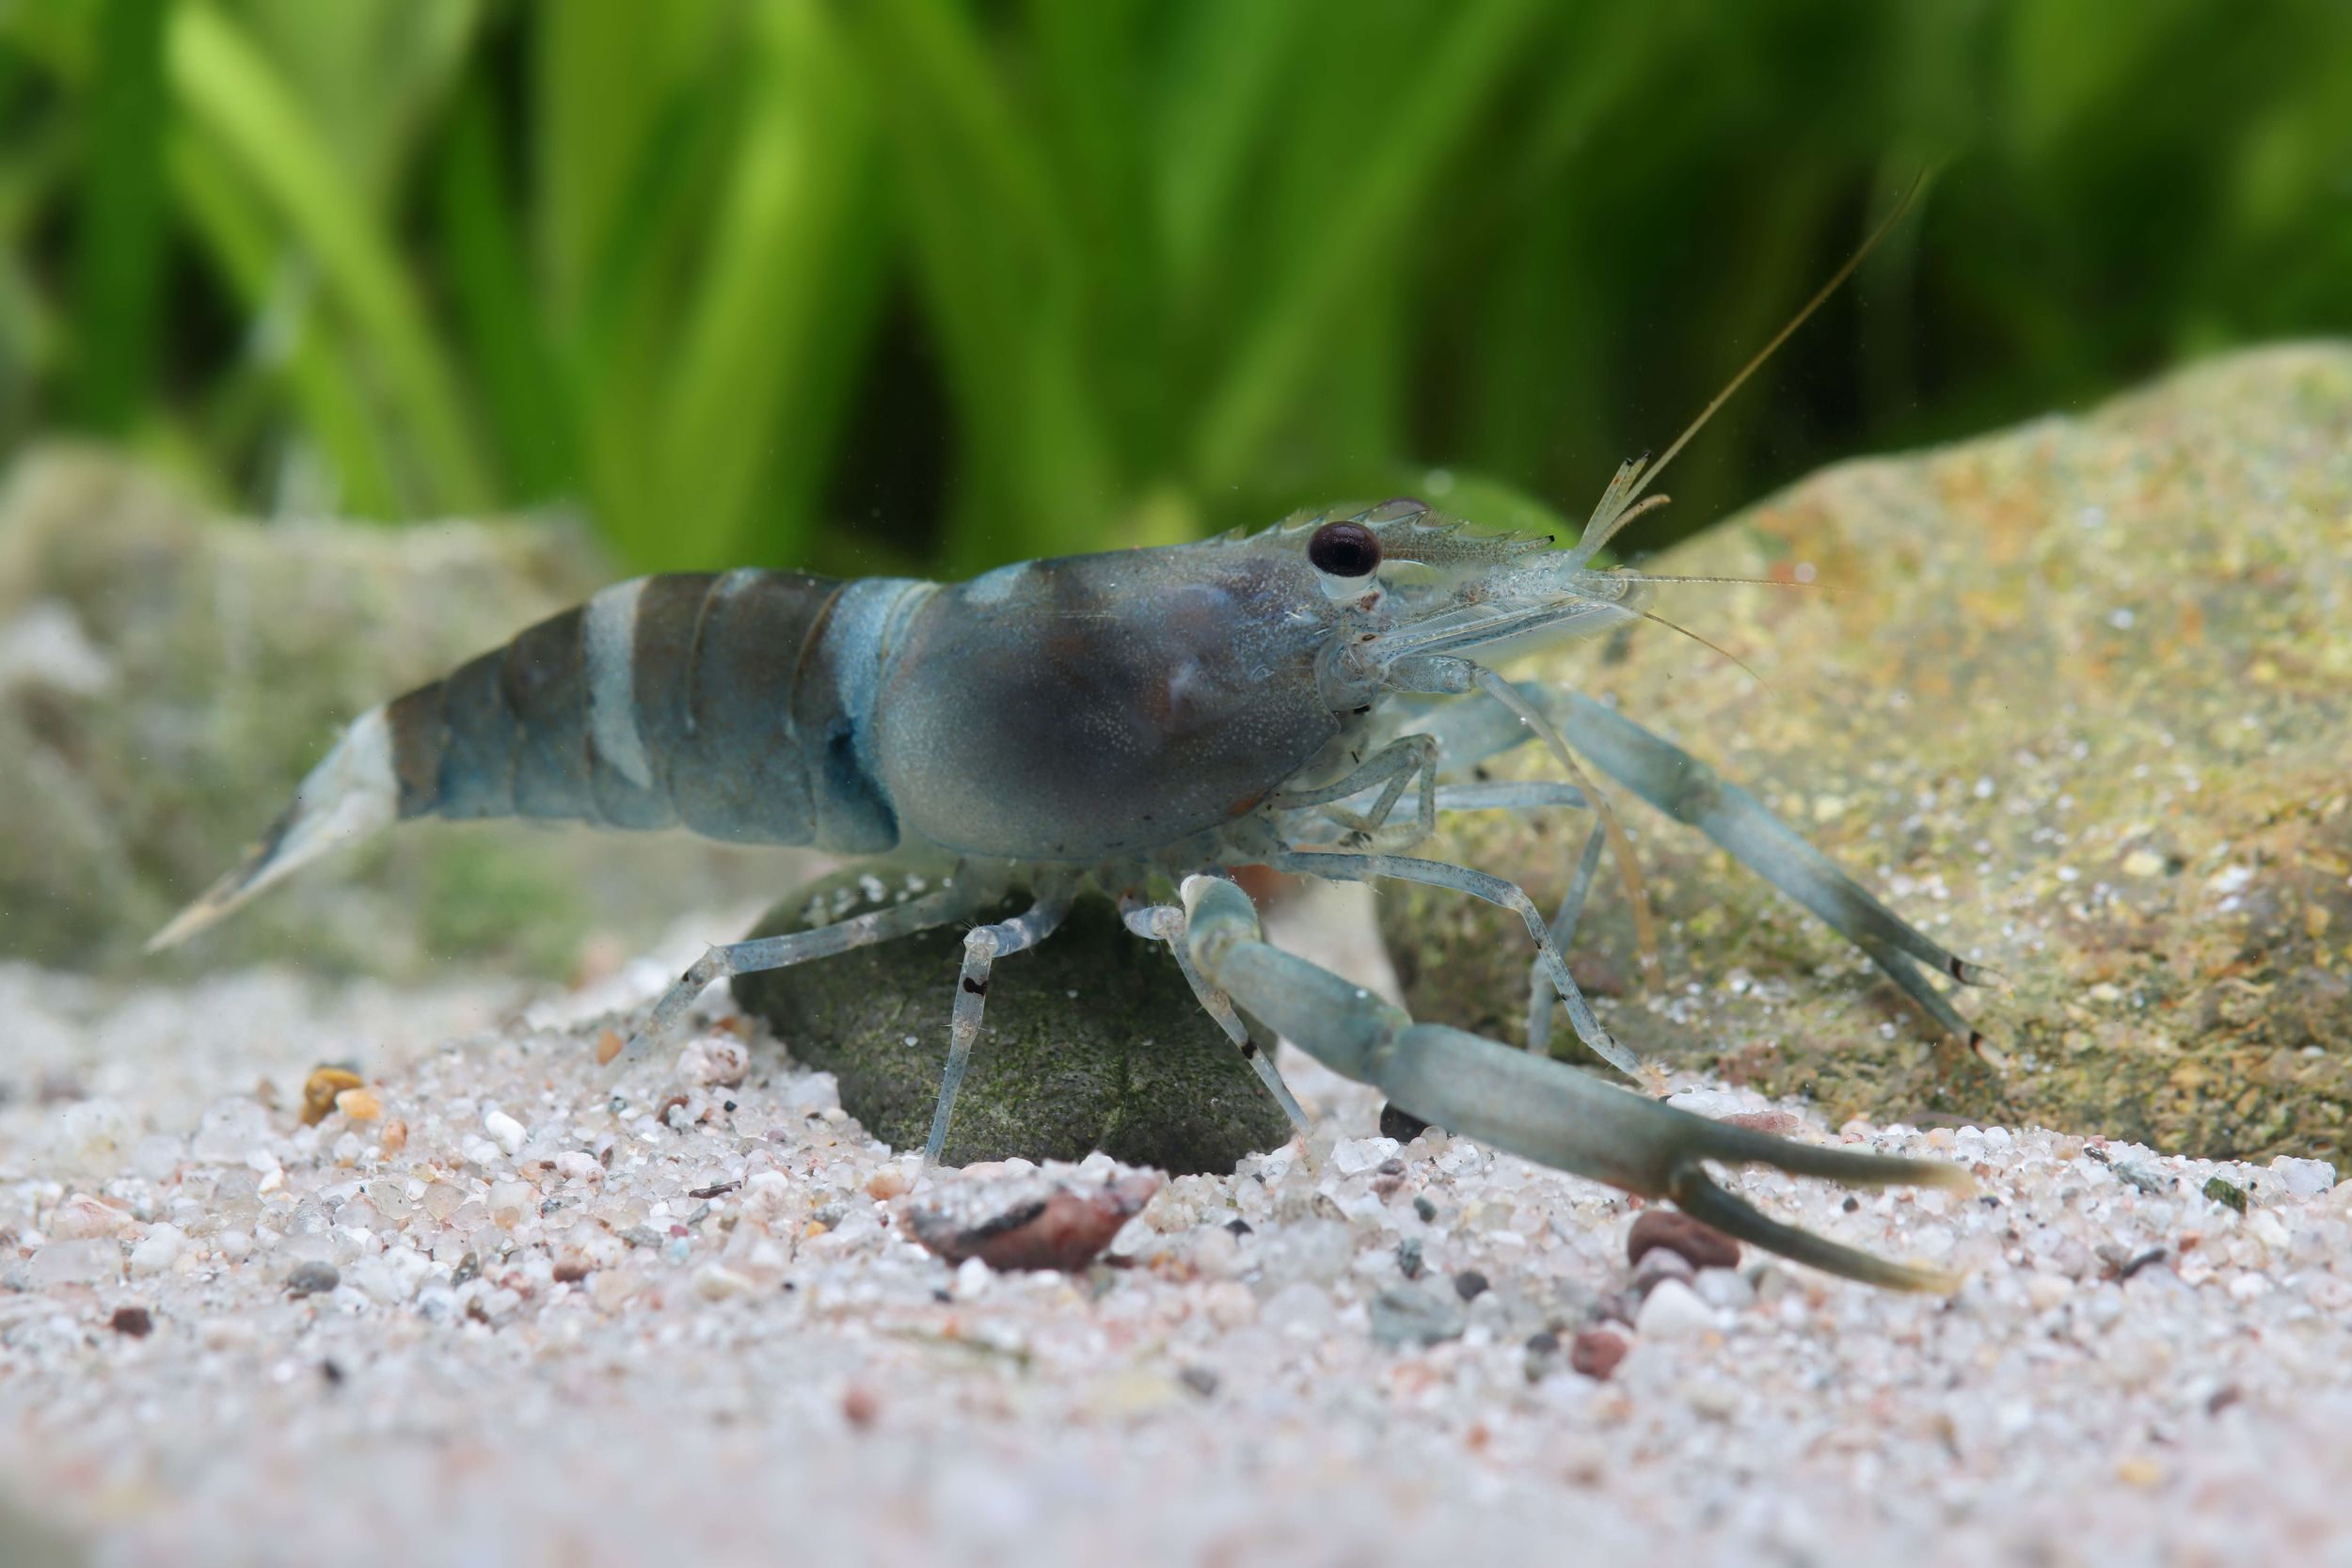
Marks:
<point>1617,506</point>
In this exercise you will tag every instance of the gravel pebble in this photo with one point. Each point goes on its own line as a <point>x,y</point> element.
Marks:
<point>1698,1243</point>
<point>1725,1288</point>
<point>85,1261</point>
<point>1778,1123</point>
<point>506,1130</point>
<point>1596,1351</point>
<point>1673,1310</point>
<point>158,1249</point>
<point>2303,1177</point>
<point>2226,1193</point>
<point>859,1407</point>
<point>1405,1315</point>
<point>312,1278</point>
<point>1660,1264</point>
<point>1353,1156</point>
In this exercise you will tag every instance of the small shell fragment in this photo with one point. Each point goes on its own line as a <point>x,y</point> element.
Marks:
<point>1033,1223</point>
<point>320,1089</point>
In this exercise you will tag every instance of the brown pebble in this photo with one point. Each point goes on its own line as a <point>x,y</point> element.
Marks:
<point>859,1407</point>
<point>359,1104</point>
<point>570,1274</point>
<point>320,1089</point>
<point>1778,1123</point>
<point>1701,1245</point>
<point>1596,1351</point>
<point>133,1321</point>
<point>887,1182</point>
<point>395,1135</point>
<point>608,1046</point>
<point>1064,1229</point>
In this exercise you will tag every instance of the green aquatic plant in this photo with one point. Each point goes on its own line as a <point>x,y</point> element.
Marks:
<point>916,283</point>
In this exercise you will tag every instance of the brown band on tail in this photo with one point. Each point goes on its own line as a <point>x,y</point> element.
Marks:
<point>418,738</point>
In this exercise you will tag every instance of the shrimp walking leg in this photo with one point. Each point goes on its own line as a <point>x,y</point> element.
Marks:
<point>1494,890</point>
<point>1533,794</point>
<point>1690,791</point>
<point>1166,923</point>
<point>982,946</point>
<point>1677,783</point>
<point>1394,767</point>
<point>1532,1107</point>
<point>942,908</point>
<point>1540,992</point>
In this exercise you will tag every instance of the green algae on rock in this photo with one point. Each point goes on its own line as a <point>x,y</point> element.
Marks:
<point>1092,1040</point>
<point>2073,698</point>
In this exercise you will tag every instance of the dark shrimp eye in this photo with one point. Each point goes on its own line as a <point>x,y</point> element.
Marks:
<point>1345,549</point>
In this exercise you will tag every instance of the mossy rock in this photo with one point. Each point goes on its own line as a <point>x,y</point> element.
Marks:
<point>1092,1040</point>
<point>2075,699</point>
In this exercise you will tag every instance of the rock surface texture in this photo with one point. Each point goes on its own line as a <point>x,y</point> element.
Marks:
<point>2076,699</point>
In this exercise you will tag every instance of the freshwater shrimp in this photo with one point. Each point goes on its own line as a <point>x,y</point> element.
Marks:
<point>1138,722</point>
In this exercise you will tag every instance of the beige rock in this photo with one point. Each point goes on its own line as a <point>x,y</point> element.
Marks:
<point>2084,690</point>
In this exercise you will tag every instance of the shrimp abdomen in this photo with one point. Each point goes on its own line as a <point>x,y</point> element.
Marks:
<point>734,705</point>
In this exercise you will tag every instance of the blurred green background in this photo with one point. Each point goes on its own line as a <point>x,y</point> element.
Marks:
<point>914,284</point>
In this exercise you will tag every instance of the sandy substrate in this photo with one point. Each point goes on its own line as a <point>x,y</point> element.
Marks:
<point>539,1332</point>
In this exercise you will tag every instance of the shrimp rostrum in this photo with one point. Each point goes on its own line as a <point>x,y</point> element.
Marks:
<point>1307,698</point>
